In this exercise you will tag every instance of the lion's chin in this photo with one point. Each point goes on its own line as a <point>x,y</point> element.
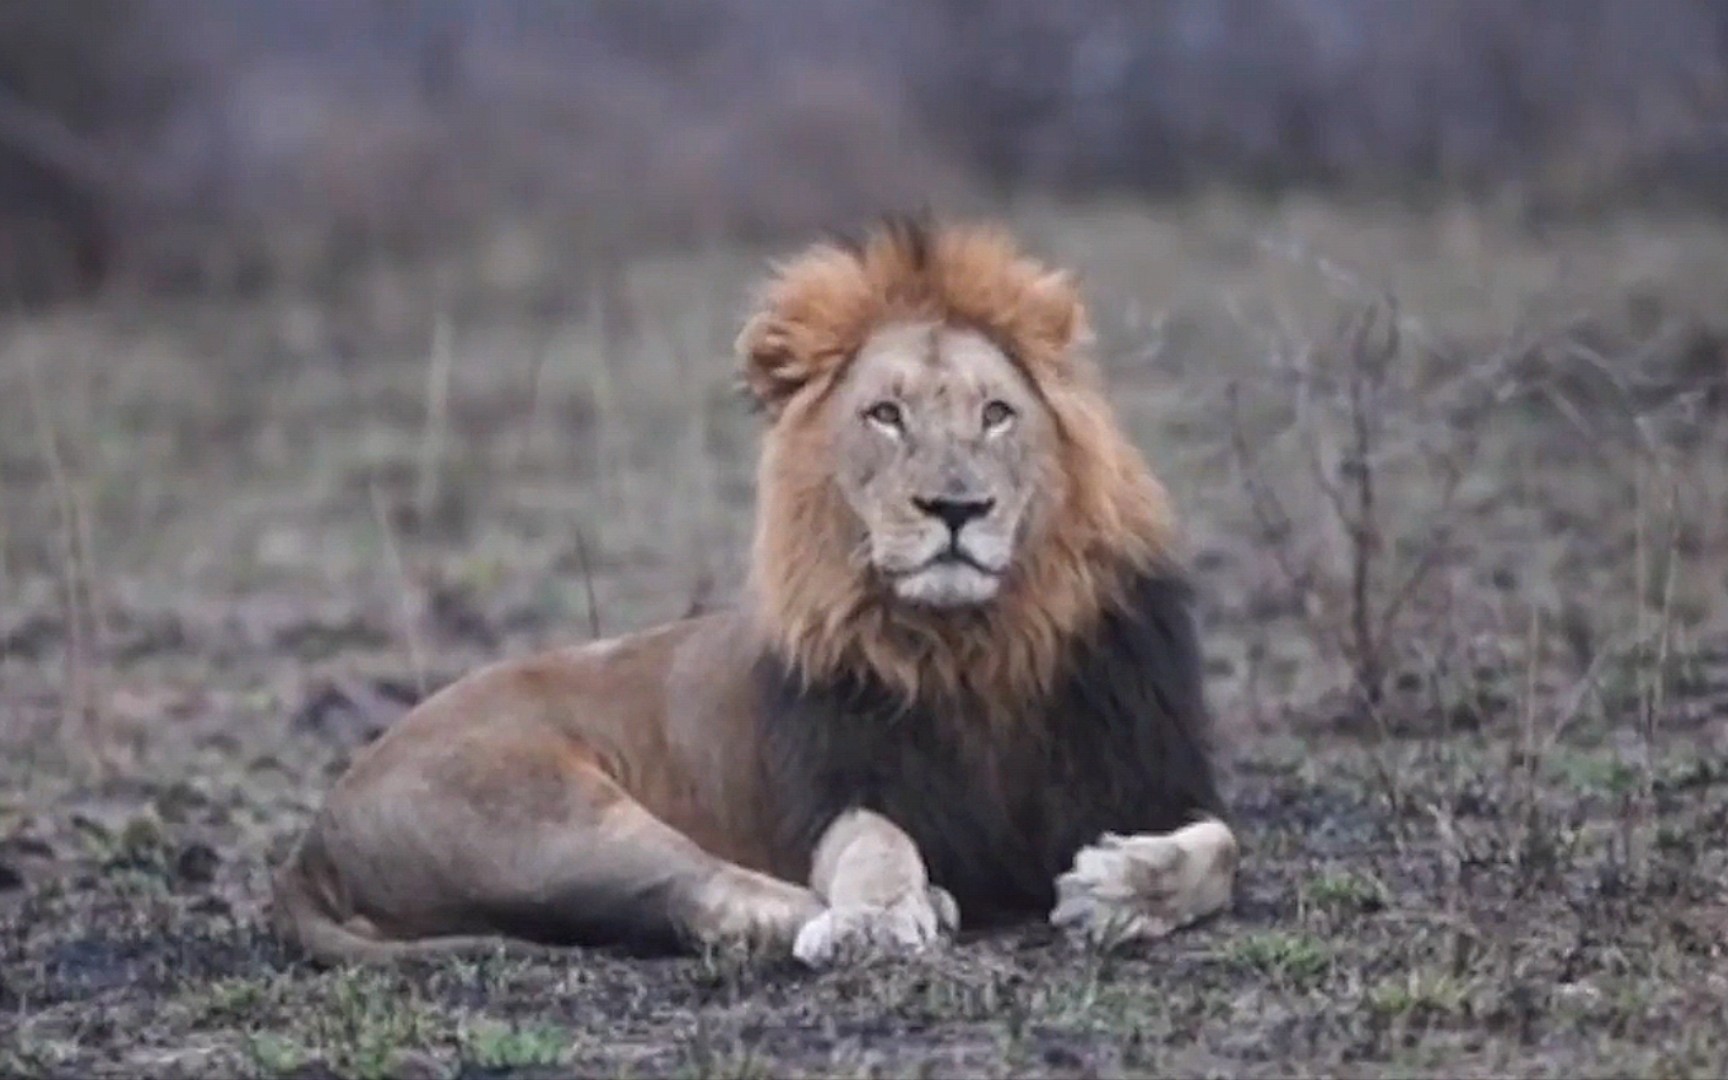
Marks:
<point>947,585</point>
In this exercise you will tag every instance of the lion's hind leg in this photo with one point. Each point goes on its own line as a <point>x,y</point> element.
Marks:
<point>1126,888</point>
<point>608,870</point>
<point>633,879</point>
<point>572,860</point>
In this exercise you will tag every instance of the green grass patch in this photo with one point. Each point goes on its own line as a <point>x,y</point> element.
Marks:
<point>1296,958</point>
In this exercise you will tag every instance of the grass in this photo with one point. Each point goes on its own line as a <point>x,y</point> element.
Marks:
<point>237,537</point>
<point>1344,893</point>
<point>1416,993</point>
<point>1287,958</point>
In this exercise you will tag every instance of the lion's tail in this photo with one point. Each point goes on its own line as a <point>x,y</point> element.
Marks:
<point>303,915</point>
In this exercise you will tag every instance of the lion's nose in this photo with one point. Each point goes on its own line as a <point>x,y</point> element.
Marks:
<point>955,513</point>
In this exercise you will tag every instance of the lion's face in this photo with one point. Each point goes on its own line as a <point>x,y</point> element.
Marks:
<point>937,441</point>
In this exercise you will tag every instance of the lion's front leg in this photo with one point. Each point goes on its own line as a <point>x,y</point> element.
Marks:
<point>1128,888</point>
<point>878,892</point>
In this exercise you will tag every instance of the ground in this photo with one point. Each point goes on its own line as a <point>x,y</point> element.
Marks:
<point>239,536</point>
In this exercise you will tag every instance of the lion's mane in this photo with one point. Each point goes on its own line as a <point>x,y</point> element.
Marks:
<point>813,599</point>
<point>1001,739</point>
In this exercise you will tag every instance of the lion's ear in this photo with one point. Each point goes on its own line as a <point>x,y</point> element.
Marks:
<point>773,368</point>
<point>1055,314</point>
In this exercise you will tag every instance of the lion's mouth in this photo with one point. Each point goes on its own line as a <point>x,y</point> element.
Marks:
<point>950,580</point>
<point>956,557</point>
<point>951,557</point>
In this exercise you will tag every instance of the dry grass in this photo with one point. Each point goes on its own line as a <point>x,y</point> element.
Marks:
<point>1509,517</point>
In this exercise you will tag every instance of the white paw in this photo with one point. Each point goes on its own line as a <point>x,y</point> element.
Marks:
<point>1136,888</point>
<point>913,924</point>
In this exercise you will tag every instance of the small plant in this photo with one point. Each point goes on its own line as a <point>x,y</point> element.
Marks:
<point>272,1055</point>
<point>1419,993</point>
<point>25,1055</point>
<point>732,967</point>
<point>1341,891</point>
<point>945,999</point>
<point>227,1000</point>
<point>1594,773</point>
<point>492,1045</point>
<point>711,1057</point>
<point>1295,958</point>
<point>366,1023</point>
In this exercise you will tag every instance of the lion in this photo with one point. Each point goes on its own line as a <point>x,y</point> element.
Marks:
<point>962,684</point>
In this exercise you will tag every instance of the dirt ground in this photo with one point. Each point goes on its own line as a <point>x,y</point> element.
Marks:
<point>239,537</point>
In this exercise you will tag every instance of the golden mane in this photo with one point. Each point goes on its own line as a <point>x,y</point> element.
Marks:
<point>812,599</point>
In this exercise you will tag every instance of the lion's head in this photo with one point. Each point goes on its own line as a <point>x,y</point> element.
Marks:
<point>946,498</point>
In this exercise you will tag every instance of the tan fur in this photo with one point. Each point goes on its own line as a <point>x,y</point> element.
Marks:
<point>615,790</point>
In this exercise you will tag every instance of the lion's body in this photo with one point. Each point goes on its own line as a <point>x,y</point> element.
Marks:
<point>995,709</point>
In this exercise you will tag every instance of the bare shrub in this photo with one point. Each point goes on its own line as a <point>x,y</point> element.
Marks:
<point>1365,573</point>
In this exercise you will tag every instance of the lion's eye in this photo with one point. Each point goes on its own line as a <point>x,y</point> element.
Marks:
<point>997,413</point>
<point>886,413</point>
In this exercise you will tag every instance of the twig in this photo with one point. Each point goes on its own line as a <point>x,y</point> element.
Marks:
<point>1534,746</point>
<point>1664,624</point>
<point>6,571</point>
<point>1650,715</point>
<point>1622,396</point>
<point>83,723</point>
<point>1367,372</point>
<point>405,607</point>
<point>1531,759</point>
<point>1429,557</point>
<point>588,585</point>
<point>531,424</point>
<point>1270,516</point>
<point>438,367</point>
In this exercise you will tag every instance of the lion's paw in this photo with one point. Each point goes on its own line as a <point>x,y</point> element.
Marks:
<point>1136,888</point>
<point>743,908</point>
<point>912,924</point>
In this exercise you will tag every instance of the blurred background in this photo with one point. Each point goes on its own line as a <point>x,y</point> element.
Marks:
<point>214,143</point>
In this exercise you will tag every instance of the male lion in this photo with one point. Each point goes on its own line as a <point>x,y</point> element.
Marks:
<point>964,682</point>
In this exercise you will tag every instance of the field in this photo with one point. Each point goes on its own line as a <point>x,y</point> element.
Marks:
<point>1474,461</point>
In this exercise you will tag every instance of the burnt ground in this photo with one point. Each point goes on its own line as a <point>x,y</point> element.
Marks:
<point>240,536</point>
